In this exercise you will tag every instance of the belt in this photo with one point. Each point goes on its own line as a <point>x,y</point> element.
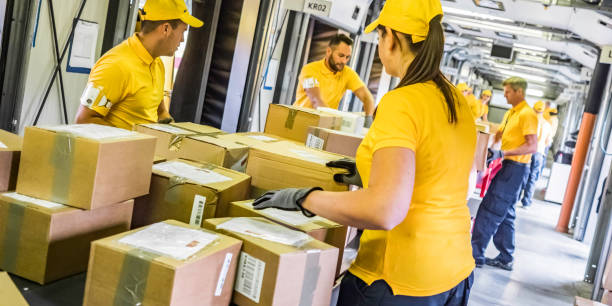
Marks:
<point>512,162</point>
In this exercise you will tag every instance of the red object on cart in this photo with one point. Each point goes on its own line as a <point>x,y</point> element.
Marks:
<point>490,173</point>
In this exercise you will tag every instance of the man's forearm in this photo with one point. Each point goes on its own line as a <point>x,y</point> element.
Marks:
<point>526,148</point>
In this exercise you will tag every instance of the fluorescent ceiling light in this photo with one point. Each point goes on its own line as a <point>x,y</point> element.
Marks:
<point>498,27</point>
<point>535,93</point>
<point>452,10</point>
<point>528,47</point>
<point>525,76</point>
<point>485,39</point>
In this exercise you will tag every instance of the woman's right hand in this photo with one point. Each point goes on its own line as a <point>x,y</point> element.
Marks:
<point>350,178</point>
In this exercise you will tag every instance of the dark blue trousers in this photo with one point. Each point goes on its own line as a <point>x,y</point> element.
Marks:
<point>532,178</point>
<point>495,216</point>
<point>355,292</point>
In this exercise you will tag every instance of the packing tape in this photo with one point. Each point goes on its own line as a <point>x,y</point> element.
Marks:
<point>132,283</point>
<point>173,194</point>
<point>312,271</point>
<point>175,143</point>
<point>12,233</point>
<point>62,158</point>
<point>290,121</point>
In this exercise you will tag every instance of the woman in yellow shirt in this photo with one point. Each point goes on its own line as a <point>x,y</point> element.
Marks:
<point>414,164</point>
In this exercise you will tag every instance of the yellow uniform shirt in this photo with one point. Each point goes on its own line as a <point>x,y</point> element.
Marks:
<point>127,85</point>
<point>483,109</point>
<point>554,124</point>
<point>544,133</point>
<point>430,251</point>
<point>332,85</point>
<point>518,122</point>
<point>474,105</point>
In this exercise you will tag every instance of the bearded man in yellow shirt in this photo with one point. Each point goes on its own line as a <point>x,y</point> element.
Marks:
<point>126,85</point>
<point>323,83</point>
<point>496,214</point>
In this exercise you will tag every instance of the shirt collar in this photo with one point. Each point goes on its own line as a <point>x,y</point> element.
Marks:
<point>136,45</point>
<point>326,70</point>
<point>520,106</point>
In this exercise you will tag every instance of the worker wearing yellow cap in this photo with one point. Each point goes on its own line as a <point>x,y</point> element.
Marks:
<point>126,85</point>
<point>471,99</point>
<point>485,98</point>
<point>537,158</point>
<point>415,248</point>
<point>323,83</point>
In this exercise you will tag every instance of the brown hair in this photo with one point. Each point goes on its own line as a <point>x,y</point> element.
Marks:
<point>516,83</point>
<point>426,65</point>
<point>148,26</point>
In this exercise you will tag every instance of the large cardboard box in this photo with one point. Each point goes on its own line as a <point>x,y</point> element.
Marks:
<point>167,263</point>
<point>169,138</point>
<point>286,164</point>
<point>317,227</point>
<point>189,192</point>
<point>44,241</point>
<point>9,294</point>
<point>211,149</point>
<point>278,266</point>
<point>198,128</point>
<point>85,165</point>
<point>292,122</point>
<point>333,141</point>
<point>482,150</point>
<point>10,151</point>
<point>351,122</point>
<point>251,139</point>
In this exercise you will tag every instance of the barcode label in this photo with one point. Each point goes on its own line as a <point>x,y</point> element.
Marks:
<point>197,211</point>
<point>3,146</point>
<point>314,142</point>
<point>223,274</point>
<point>250,276</point>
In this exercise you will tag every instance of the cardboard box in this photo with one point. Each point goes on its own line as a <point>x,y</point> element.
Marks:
<point>9,294</point>
<point>333,141</point>
<point>351,122</point>
<point>606,297</point>
<point>586,302</point>
<point>317,227</point>
<point>189,192</point>
<point>85,165</point>
<point>252,139</point>
<point>297,271</point>
<point>482,150</point>
<point>169,138</point>
<point>44,241</point>
<point>198,128</point>
<point>286,164</point>
<point>210,149</point>
<point>168,263</point>
<point>606,281</point>
<point>10,152</point>
<point>292,122</point>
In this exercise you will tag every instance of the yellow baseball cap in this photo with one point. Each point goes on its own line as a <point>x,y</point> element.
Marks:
<point>463,87</point>
<point>408,16</point>
<point>156,10</point>
<point>539,106</point>
<point>487,92</point>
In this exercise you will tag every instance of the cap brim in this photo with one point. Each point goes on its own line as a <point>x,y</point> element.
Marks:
<point>192,21</point>
<point>372,26</point>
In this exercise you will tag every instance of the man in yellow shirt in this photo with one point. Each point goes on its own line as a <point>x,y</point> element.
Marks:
<point>485,98</point>
<point>471,99</point>
<point>126,85</point>
<point>537,158</point>
<point>323,83</point>
<point>496,214</point>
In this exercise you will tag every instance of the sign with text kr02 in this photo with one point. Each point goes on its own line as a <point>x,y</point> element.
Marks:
<point>318,7</point>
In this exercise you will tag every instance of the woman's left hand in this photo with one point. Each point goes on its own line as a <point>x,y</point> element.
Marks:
<point>286,199</point>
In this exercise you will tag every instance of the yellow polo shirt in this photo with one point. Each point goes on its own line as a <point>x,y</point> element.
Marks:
<point>518,122</point>
<point>332,85</point>
<point>430,251</point>
<point>544,133</point>
<point>127,85</point>
<point>474,104</point>
<point>483,109</point>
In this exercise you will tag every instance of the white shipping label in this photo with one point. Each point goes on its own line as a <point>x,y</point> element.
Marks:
<point>315,142</point>
<point>289,217</point>
<point>309,156</point>
<point>265,230</point>
<point>223,274</point>
<point>3,146</point>
<point>249,278</point>
<point>29,200</point>
<point>262,138</point>
<point>197,211</point>
<point>93,131</point>
<point>196,174</point>
<point>167,128</point>
<point>170,240</point>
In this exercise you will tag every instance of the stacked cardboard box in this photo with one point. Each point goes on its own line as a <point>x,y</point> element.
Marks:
<point>9,294</point>
<point>167,263</point>
<point>198,128</point>
<point>351,122</point>
<point>278,266</point>
<point>215,150</point>
<point>189,192</point>
<point>251,139</point>
<point>10,151</point>
<point>169,138</point>
<point>292,122</point>
<point>333,141</point>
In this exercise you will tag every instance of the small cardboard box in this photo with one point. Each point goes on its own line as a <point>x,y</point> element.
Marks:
<point>482,150</point>
<point>251,139</point>
<point>10,151</point>
<point>278,266</point>
<point>319,228</point>
<point>198,128</point>
<point>606,297</point>
<point>292,122</point>
<point>9,293</point>
<point>351,122</point>
<point>169,138</point>
<point>579,301</point>
<point>167,263</point>
<point>189,192</point>
<point>85,165</point>
<point>218,151</point>
<point>44,241</point>
<point>606,281</point>
<point>286,164</point>
<point>333,141</point>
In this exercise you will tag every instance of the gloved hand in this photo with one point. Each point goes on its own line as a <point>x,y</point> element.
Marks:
<point>286,199</point>
<point>351,178</point>
<point>493,155</point>
<point>166,120</point>
<point>368,122</point>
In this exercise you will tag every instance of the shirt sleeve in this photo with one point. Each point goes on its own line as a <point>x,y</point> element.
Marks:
<point>529,123</point>
<point>308,78</point>
<point>106,87</point>
<point>396,123</point>
<point>354,82</point>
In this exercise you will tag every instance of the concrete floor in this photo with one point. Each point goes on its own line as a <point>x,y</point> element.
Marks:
<point>548,268</point>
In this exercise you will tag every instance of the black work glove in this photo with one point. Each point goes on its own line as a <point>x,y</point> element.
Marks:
<point>166,120</point>
<point>493,155</point>
<point>368,122</point>
<point>350,178</point>
<point>285,199</point>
